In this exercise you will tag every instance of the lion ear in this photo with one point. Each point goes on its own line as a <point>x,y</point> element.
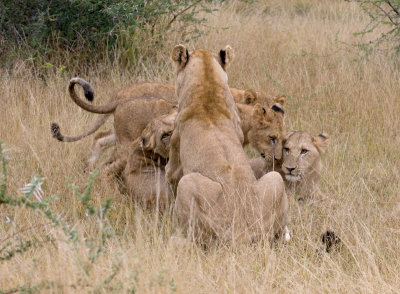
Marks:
<point>288,134</point>
<point>250,97</point>
<point>180,56</point>
<point>227,55</point>
<point>279,99</point>
<point>321,142</point>
<point>278,108</point>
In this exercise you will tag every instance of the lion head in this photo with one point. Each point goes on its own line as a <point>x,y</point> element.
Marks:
<point>209,67</point>
<point>267,129</point>
<point>302,155</point>
<point>157,134</point>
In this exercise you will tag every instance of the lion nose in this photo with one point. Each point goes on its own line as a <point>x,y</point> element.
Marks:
<point>290,169</point>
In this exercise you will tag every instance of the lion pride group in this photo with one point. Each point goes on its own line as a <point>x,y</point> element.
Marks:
<point>180,148</point>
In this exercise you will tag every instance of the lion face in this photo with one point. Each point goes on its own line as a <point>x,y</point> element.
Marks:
<point>302,154</point>
<point>157,134</point>
<point>267,130</point>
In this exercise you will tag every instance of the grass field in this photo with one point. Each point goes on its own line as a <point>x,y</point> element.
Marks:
<point>299,48</point>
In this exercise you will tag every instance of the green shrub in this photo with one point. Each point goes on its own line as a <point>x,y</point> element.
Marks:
<point>92,29</point>
<point>385,16</point>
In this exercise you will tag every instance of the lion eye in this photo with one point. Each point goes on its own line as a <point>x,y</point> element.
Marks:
<point>273,139</point>
<point>303,151</point>
<point>286,149</point>
<point>165,136</point>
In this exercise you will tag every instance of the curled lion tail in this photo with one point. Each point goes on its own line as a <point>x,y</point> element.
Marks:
<point>87,88</point>
<point>89,95</point>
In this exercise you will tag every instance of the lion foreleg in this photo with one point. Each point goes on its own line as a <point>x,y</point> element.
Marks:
<point>273,209</point>
<point>173,169</point>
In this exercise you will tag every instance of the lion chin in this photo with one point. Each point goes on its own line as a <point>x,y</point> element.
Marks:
<point>292,178</point>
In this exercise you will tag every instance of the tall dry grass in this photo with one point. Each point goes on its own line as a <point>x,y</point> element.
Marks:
<point>300,48</point>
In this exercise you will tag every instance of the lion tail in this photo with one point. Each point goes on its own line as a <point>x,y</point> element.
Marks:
<point>57,134</point>
<point>89,94</point>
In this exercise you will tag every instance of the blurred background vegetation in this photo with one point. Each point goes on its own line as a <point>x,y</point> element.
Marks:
<point>84,32</point>
<point>61,34</point>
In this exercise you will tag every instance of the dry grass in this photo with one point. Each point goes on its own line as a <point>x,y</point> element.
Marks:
<point>295,47</point>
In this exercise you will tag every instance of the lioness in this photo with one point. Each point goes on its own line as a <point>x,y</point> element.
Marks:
<point>217,193</point>
<point>263,126</point>
<point>301,163</point>
<point>144,174</point>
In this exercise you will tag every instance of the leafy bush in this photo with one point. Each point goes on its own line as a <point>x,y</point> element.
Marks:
<point>93,28</point>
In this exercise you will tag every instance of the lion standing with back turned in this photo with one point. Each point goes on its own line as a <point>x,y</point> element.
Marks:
<point>217,193</point>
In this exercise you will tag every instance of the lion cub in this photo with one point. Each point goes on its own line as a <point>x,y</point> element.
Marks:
<point>144,174</point>
<point>301,163</point>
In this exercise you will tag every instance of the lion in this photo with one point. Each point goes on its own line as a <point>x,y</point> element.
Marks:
<point>262,125</point>
<point>128,93</point>
<point>131,115</point>
<point>144,173</point>
<point>302,163</point>
<point>217,194</point>
<point>300,166</point>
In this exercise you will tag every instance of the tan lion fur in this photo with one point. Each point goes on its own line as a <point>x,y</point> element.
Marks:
<point>264,131</point>
<point>128,93</point>
<point>250,97</point>
<point>144,173</point>
<point>217,193</point>
<point>130,119</point>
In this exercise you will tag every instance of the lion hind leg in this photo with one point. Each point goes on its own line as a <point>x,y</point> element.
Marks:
<point>101,142</point>
<point>197,206</point>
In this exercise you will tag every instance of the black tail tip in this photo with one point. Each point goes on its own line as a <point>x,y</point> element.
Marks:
<point>56,132</point>
<point>89,93</point>
<point>330,240</point>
